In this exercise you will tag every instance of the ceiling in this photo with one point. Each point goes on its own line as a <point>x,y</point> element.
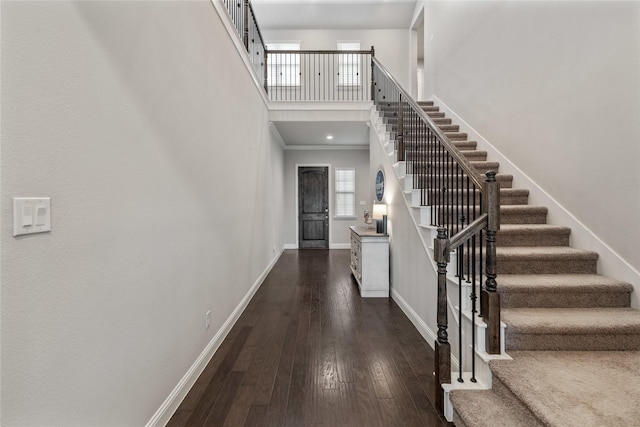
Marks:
<point>333,14</point>
<point>314,134</point>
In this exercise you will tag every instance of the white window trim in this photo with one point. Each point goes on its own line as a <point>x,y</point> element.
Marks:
<point>336,192</point>
<point>358,65</point>
<point>298,80</point>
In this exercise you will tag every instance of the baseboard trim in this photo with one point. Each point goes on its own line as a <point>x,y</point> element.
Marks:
<point>177,395</point>
<point>340,246</point>
<point>429,336</point>
<point>331,246</point>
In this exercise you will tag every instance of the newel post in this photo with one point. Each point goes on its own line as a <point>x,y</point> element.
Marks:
<point>246,24</point>
<point>400,130</point>
<point>373,84</point>
<point>490,296</point>
<point>442,346</point>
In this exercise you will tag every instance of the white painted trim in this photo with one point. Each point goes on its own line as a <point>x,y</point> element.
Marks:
<point>235,38</point>
<point>177,395</point>
<point>610,263</point>
<point>429,336</point>
<point>326,147</point>
<point>291,246</point>
<point>329,183</point>
<point>339,245</point>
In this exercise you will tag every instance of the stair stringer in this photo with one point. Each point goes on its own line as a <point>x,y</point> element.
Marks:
<point>382,137</point>
<point>610,263</point>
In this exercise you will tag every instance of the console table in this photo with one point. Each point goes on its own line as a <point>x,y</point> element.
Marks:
<point>370,261</point>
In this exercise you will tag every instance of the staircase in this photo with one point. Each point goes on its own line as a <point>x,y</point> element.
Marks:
<point>573,337</point>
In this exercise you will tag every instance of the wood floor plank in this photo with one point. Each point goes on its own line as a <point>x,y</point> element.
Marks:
<point>221,407</point>
<point>240,406</point>
<point>309,351</point>
<point>211,393</point>
<point>255,417</point>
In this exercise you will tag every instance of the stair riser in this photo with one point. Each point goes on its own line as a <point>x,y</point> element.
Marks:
<point>394,105</point>
<point>457,421</point>
<point>577,342</point>
<point>472,156</point>
<point>429,147</point>
<point>500,389</point>
<point>425,182</point>
<point>481,167</point>
<point>507,217</point>
<point>456,198</point>
<point>530,217</point>
<point>564,299</point>
<point>529,239</point>
<point>508,265</point>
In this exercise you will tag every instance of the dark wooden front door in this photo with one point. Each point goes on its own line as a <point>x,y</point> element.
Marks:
<point>313,207</point>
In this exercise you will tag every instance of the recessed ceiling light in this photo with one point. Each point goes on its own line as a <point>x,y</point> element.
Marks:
<point>329,137</point>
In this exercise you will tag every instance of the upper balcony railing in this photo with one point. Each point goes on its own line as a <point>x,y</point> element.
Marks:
<point>320,75</point>
<point>244,19</point>
<point>302,75</point>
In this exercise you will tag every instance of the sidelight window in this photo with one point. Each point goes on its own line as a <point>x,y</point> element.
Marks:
<point>345,190</point>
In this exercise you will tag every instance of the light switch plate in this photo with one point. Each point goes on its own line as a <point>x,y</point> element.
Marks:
<point>31,215</point>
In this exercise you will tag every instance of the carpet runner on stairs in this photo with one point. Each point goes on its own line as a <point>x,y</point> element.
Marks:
<point>574,339</point>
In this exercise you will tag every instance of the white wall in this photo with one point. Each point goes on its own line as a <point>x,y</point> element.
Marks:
<point>339,228</point>
<point>392,47</point>
<point>167,195</point>
<point>555,87</point>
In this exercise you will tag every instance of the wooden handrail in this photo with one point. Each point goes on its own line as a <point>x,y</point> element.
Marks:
<point>468,232</point>
<point>473,174</point>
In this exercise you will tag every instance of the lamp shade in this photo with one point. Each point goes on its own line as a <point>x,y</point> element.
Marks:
<point>379,211</point>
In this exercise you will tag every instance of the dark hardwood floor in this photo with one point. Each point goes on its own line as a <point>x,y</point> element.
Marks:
<point>308,351</point>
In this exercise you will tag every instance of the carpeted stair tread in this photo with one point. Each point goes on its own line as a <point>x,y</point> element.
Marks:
<point>483,408</point>
<point>572,320</point>
<point>575,389</point>
<point>556,283</point>
<point>544,252</point>
<point>533,235</point>
<point>562,290</point>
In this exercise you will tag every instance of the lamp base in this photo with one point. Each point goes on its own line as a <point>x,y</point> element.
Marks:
<point>379,226</point>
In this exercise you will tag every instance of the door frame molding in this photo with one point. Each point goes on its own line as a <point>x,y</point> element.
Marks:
<point>329,195</point>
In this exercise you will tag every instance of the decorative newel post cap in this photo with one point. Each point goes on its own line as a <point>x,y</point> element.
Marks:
<point>442,233</point>
<point>491,176</point>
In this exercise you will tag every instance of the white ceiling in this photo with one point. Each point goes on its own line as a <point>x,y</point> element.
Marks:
<point>333,14</point>
<point>315,133</point>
